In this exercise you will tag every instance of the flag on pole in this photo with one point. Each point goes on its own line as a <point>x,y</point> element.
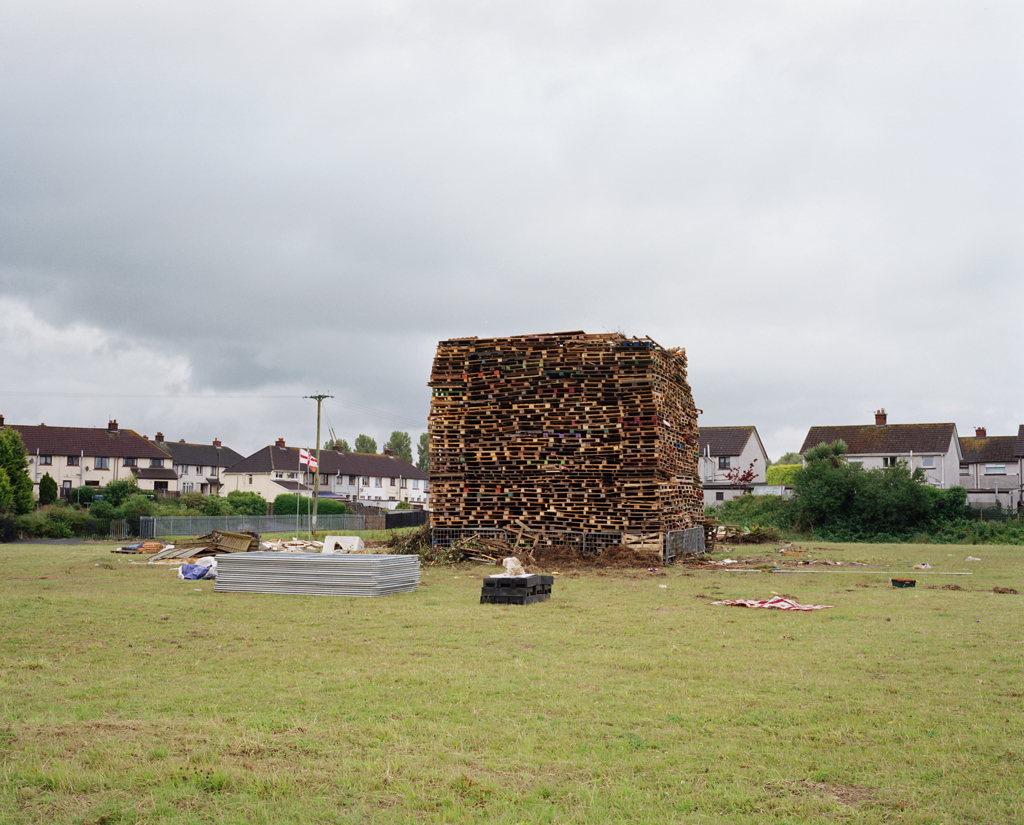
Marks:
<point>303,456</point>
<point>312,463</point>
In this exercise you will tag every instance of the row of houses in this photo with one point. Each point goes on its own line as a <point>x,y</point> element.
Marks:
<point>93,457</point>
<point>990,468</point>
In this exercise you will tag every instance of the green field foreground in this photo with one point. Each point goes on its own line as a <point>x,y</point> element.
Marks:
<point>129,696</point>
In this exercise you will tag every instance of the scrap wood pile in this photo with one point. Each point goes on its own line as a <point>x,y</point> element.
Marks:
<point>737,534</point>
<point>216,543</point>
<point>293,545</point>
<point>141,547</point>
<point>536,550</point>
<point>566,431</point>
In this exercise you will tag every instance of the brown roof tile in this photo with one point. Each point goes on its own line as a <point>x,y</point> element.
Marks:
<point>726,441</point>
<point>273,458</point>
<point>92,441</point>
<point>892,439</point>
<point>994,448</point>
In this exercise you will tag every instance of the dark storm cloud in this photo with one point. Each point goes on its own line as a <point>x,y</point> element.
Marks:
<point>272,200</point>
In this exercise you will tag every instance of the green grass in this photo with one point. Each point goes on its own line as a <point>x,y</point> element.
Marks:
<point>129,696</point>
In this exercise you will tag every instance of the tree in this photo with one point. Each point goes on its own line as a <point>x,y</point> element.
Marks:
<point>338,443</point>
<point>47,490</point>
<point>365,444</point>
<point>423,452</point>
<point>401,445</point>
<point>6,495</point>
<point>789,458</point>
<point>14,461</point>
<point>739,478</point>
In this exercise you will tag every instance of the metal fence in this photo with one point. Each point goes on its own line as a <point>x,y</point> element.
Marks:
<point>405,518</point>
<point>153,526</point>
<point>688,542</point>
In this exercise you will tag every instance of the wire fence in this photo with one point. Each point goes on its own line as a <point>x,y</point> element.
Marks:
<point>156,526</point>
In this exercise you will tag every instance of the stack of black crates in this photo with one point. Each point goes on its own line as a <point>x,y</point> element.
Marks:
<point>516,589</point>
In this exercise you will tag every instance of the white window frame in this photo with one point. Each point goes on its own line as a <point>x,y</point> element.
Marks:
<point>101,462</point>
<point>995,469</point>
<point>928,461</point>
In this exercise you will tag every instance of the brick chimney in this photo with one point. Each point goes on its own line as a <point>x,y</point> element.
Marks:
<point>181,440</point>
<point>389,451</point>
<point>880,417</point>
<point>216,442</point>
<point>1,422</point>
<point>980,432</point>
<point>112,426</point>
<point>159,438</point>
<point>337,446</point>
<point>279,443</point>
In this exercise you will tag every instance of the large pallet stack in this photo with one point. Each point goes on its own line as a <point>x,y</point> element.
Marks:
<point>563,432</point>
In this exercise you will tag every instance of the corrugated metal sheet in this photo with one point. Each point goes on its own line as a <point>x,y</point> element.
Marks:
<point>315,574</point>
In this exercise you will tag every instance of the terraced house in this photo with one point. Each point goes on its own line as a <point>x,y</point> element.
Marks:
<point>992,468</point>
<point>198,467</point>
<point>379,480</point>
<point>934,448</point>
<point>93,457</point>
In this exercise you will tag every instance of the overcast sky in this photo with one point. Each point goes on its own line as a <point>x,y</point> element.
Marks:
<point>211,209</point>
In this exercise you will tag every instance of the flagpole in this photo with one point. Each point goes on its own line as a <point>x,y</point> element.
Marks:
<point>316,476</point>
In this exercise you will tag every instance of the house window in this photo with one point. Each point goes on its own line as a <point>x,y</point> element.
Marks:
<point>927,461</point>
<point>995,469</point>
<point>856,462</point>
<point>92,484</point>
<point>405,483</point>
<point>102,463</point>
<point>391,482</point>
<point>46,459</point>
<point>186,487</point>
<point>73,460</point>
<point>199,469</point>
<point>378,481</point>
<point>276,475</point>
<point>291,475</point>
<point>156,462</point>
<point>131,462</point>
<point>889,460</point>
<point>723,462</point>
<point>415,483</point>
<point>250,479</point>
<point>160,485</point>
<point>719,496</point>
<point>325,478</point>
<point>965,470</point>
<point>351,481</point>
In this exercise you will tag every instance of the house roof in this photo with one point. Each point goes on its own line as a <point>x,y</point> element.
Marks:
<point>92,441</point>
<point>292,486</point>
<point>155,473</point>
<point>728,441</point>
<point>1019,451</point>
<point>198,454</point>
<point>892,439</point>
<point>273,458</point>
<point>994,448</point>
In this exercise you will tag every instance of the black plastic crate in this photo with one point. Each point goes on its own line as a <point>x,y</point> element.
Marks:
<point>516,589</point>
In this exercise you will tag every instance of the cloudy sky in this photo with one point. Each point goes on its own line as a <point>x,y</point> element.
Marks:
<point>211,209</point>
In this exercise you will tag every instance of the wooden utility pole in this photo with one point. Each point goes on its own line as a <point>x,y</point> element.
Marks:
<point>316,474</point>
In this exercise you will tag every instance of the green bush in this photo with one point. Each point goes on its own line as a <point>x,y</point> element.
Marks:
<point>768,511</point>
<point>103,509</point>
<point>136,506</point>
<point>782,473</point>
<point>117,492</point>
<point>247,504</point>
<point>83,495</point>
<point>284,505</point>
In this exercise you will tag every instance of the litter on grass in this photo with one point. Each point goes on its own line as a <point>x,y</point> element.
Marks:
<point>776,602</point>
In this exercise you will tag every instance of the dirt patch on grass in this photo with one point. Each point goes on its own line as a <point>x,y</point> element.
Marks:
<point>951,587</point>
<point>617,557</point>
<point>1009,591</point>
<point>844,794</point>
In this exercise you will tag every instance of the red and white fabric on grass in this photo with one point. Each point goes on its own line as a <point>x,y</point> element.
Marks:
<point>776,602</point>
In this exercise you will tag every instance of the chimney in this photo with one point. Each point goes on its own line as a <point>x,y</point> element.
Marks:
<point>980,432</point>
<point>1,422</point>
<point>159,438</point>
<point>181,440</point>
<point>112,426</point>
<point>337,446</point>
<point>279,443</point>
<point>880,417</point>
<point>389,451</point>
<point>216,442</point>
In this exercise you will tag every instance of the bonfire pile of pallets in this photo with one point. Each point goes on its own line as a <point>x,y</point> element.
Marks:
<point>565,431</point>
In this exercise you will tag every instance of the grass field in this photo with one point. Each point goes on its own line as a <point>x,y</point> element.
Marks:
<point>129,696</point>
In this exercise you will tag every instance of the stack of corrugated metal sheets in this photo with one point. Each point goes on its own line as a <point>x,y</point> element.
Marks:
<point>317,574</point>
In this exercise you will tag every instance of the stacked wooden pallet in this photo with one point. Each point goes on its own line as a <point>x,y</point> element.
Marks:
<point>566,431</point>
